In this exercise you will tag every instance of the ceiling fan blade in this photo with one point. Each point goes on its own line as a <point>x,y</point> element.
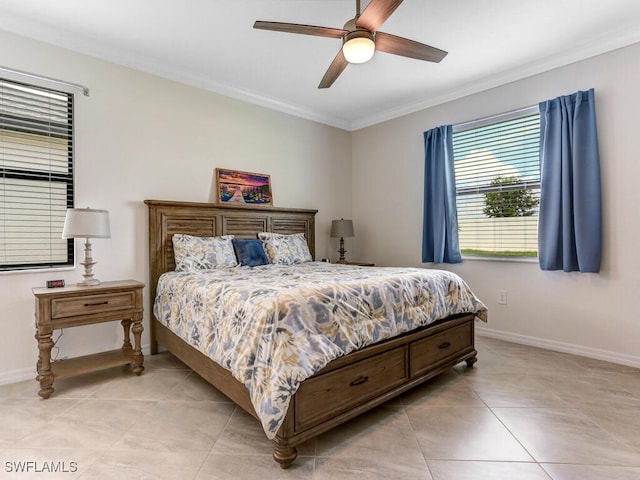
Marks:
<point>301,29</point>
<point>335,69</point>
<point>377,13</point>
<point>385,42</point>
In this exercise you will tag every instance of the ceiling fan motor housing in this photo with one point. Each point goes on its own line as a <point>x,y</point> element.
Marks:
<point>359,33</point>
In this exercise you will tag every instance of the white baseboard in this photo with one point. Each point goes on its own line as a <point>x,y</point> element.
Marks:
<point>30,373</point>
<point>605,355</point>
<point>17,376</point>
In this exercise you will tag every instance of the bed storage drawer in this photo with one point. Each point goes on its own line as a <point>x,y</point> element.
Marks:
<point>339,390</point>
<point>427,353</point>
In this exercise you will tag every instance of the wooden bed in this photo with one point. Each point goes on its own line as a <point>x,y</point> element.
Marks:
<point>347,386</point>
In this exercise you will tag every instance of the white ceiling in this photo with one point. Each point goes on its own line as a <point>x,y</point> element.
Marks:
<point>211,44</point>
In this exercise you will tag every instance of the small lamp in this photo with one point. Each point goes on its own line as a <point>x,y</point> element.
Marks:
<point>342,228</point>
<point>87,223</point>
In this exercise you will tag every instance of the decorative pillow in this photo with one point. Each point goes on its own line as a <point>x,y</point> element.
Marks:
<point>203,253</point>
<point>250,252</point>
<point>285,249</point>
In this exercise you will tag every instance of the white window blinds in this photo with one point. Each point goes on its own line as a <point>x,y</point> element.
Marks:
<point>36,176</point>
<point>497,169</point>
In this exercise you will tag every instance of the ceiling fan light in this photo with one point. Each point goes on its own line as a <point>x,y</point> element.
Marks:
<point>358,49</point>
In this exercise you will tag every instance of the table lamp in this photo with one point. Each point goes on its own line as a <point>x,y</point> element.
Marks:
<point>87,223</point>
<point>341,228</point>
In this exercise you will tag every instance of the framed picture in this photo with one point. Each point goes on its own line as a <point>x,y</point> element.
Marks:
<point>243,187</point>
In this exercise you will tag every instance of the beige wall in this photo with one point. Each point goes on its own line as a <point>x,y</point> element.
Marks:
<point>584,313</point>
<point>140,136</point>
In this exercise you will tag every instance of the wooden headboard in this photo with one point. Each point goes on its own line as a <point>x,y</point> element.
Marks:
<point>167,218</point>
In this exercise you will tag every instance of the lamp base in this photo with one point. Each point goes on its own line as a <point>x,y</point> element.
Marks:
<point>88,264</point>
<point>341,251</point>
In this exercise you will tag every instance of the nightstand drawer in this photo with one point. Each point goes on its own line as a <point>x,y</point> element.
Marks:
<point>86,305</point>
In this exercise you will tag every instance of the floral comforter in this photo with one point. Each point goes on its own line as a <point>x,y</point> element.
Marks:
<point>273,326</point>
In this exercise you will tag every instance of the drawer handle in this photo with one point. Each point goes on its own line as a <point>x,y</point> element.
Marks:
<point>444,345</point>
<point>96,304</point>
<point>359,381</point>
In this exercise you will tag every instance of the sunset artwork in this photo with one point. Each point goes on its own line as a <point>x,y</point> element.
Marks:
<point>243,187</point>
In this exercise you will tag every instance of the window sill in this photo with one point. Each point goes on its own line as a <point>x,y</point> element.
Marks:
<point>487,258</point>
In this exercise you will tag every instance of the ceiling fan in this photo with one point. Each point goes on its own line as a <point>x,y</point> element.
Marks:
<point>360,38</point>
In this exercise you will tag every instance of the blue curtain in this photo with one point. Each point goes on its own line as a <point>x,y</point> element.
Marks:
<point>440,223</point>
<point>570,220</point>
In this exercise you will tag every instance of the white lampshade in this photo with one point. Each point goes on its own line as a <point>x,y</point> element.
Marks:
<point>342,228</point>
<point>86,223</point>
<point>359,49</point>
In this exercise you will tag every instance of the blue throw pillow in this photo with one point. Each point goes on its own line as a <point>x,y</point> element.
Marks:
<point>250,253</point>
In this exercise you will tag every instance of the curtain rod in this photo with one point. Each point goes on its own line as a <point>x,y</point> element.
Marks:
<point>85,90</point>
<point>459,127</point>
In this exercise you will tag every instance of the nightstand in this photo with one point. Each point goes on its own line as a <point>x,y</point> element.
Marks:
<point>362,264</point>
<point>74,306</point>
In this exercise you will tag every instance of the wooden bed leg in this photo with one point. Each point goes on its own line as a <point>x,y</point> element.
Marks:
<point>284,454</point>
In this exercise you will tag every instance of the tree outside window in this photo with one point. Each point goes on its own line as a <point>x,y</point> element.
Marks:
<point>511,199</point>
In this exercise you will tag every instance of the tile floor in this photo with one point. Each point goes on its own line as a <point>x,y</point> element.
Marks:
<point>520,413</point>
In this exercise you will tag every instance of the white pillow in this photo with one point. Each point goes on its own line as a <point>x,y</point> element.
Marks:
<point>285,249</point>
<point>203,253</point>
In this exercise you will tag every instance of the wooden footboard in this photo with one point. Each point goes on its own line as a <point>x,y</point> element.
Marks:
<point>347,386</point>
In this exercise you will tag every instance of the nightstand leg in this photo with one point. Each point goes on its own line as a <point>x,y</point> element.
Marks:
<point>45,375</point>
<point>126,326</point>
<point>38,363</point>
<point>138,359</point>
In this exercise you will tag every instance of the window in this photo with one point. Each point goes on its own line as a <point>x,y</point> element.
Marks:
<point>497,168</point>
<point>36,176</point>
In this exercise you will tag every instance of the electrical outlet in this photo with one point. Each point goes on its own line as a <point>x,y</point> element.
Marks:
<point>502,297</point>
